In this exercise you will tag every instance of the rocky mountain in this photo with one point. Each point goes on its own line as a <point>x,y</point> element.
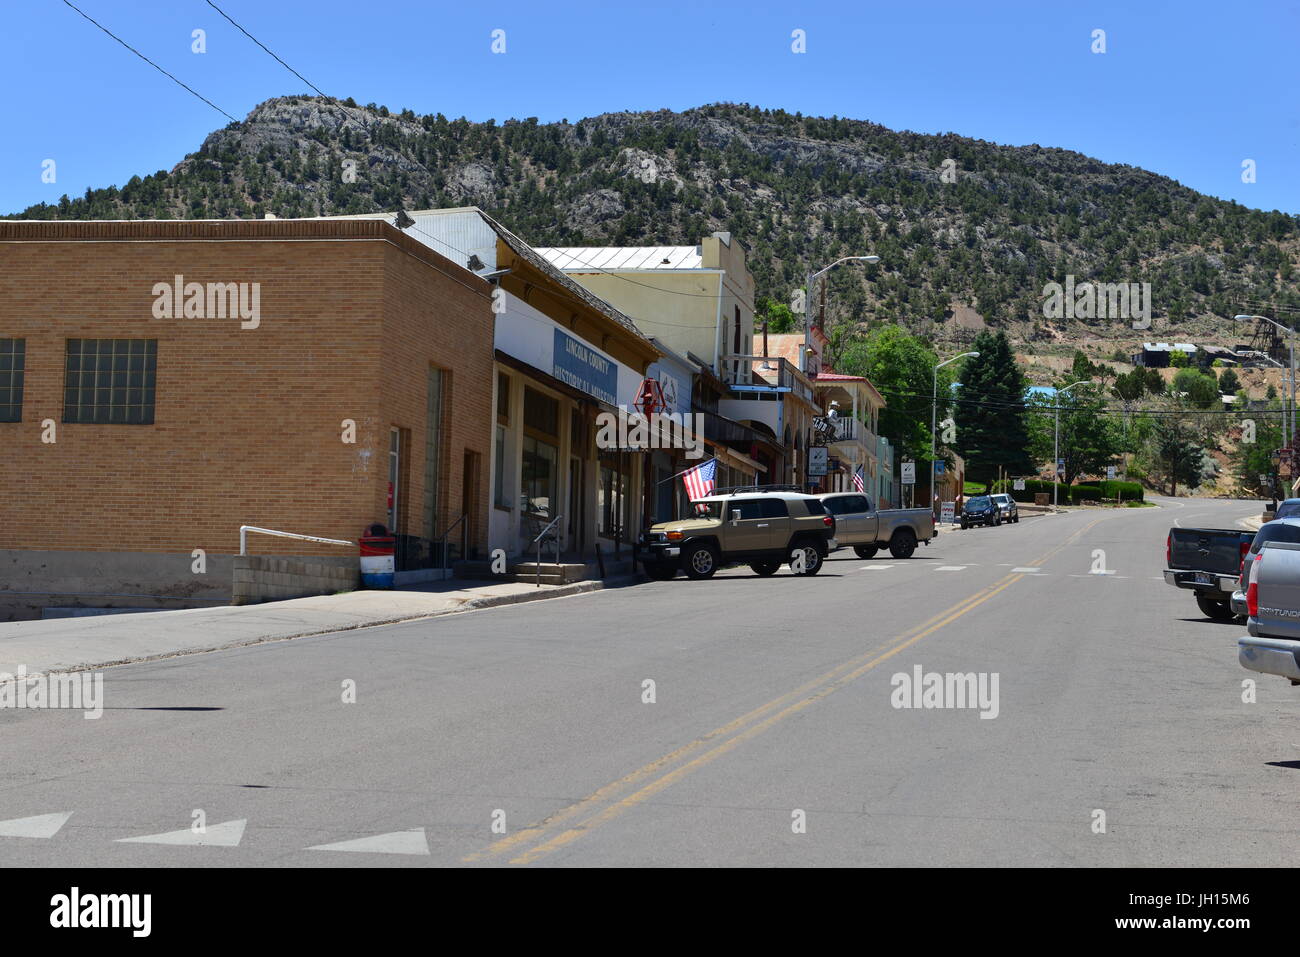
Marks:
<point>969,232</point>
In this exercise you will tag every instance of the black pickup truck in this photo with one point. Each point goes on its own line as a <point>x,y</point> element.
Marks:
<point>1208,561</point>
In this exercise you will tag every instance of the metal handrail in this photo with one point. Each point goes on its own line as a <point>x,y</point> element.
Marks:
<point>538,542</point>
<point>447,534</point>
<point>245,529</point>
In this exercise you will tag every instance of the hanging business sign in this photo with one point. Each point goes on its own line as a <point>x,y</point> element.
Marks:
<point>584,368</point>
<point>948,513</point>
<point>817,460</point>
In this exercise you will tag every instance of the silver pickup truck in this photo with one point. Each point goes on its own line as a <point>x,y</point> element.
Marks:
<point>1272,643</point>
<point>859,524</point>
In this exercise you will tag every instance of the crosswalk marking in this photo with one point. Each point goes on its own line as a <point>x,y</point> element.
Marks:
<point>951,568</point>
<point>227,834</point>
<point>1026,570</point>
<point>868,568</point>
<point>42,825</point>
<point>397,842</point>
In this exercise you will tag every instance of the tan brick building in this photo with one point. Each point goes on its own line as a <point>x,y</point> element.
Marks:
<point>312,376</point>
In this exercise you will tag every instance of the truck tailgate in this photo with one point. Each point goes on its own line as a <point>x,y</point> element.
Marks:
<point>1208,549</point>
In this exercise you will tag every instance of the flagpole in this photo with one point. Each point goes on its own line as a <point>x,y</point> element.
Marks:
<point>684,471</point>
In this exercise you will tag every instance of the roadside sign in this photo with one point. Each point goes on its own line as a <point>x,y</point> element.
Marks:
<point>1110,473</point>
<point>948,513</point>
<point>908,473</point>
<point>817,456</point>
<point>1060,466</point>
<point>1018,485</point>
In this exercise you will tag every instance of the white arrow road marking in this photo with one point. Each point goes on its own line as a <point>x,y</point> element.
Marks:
<point>397,842</point>
<point>227,834</point>
<point>951,568</point>
<point>42,825</point>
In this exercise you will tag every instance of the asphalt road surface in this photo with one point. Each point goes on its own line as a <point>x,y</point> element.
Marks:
<point>771,697</point>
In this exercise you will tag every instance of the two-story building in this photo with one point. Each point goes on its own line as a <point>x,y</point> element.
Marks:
<point>699,301</point>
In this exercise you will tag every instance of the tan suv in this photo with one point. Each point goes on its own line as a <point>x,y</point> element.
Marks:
<point>760,526</point>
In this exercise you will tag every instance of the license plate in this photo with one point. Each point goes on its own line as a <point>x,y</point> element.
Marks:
<point>1203,579</point>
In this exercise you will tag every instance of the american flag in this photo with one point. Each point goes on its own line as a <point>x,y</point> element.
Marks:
<point>859,479</point>
<point>699,481</point>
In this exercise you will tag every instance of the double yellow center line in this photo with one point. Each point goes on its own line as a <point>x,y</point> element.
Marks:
<point>605,804</point>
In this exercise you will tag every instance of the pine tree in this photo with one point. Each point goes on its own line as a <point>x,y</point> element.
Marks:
<point>992,431</point>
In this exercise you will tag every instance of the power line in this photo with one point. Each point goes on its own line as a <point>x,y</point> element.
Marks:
<point>151,63</point>
<point>264,47</point>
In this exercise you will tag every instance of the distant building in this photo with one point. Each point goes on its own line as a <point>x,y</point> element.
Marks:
<point>1156,355</point>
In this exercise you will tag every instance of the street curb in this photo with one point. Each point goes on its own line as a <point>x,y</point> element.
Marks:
<point>473,604</point>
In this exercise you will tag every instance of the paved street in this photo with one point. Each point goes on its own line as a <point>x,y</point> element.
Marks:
<point>771,695</point>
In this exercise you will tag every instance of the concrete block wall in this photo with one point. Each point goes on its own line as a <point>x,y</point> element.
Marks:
<point>265,578</point>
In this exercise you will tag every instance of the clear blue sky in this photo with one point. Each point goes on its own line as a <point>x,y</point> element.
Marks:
<point>1187,88</point>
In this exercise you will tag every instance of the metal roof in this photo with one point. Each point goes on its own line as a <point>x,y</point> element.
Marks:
<point>612,258</point>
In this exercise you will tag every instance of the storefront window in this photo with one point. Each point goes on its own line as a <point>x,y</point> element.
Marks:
<point>612,507</point>
<point>539,480</point>
<point>499,496</point>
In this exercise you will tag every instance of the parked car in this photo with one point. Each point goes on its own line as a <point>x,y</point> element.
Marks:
<point>1278,530</point>
<point>761,526</point>
<point>1007,506</point>
<point>1210,562</point>
<point>1288,508</point>
<point>980,510</point>
<point>1271,645</point>
<point>859,524</point>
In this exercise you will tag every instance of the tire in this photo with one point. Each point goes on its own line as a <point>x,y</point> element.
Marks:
<point>812,559</point>
<point>766,569</point>
<point>659,571</point>
<point>903,544</point>
<point>1016,519</point>
<point>997,520</point>
<point>964,526</point>
<point>866,551</point>
<point>1220,609</point>
<point>699,561</point>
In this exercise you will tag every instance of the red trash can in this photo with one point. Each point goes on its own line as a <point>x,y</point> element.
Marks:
<point>377,557</point>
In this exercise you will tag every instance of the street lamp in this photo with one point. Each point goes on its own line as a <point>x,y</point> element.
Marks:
<point>812,277</point>
<point>1056,435</point>
<point>1289,426</point>
<point>934,412</point>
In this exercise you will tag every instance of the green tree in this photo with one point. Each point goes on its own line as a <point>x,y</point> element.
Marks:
<point>1252,459</point>
<point>1089,439</point>
<point>992,427</point>
<point>1200,389</point>
<point>1177,454</point>
<point>900,366</point>
<point>1229,382</point>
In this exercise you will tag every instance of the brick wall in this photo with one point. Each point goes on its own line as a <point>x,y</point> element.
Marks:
<point>248,423</point>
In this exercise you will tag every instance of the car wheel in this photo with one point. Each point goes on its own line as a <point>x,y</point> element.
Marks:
<point>1016,520</point>
<point>699,562</point>
<point>1217,608</point>
<point>866,551</point>
<point>812,559</point>
<point>964,526</point>
<point>997,520</point>
<point>659,571</point>
<point>764,568</point>
<point>903,544</point>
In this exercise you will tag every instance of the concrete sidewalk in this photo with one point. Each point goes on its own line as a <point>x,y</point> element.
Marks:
<point>77,644</point>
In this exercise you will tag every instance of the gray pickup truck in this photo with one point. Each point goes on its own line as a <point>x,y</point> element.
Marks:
<point>1208,561</point>
<point>859,524</point>
<point>1272,643</point>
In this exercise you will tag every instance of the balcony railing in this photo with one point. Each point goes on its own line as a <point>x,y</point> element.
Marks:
<point>763,374</point>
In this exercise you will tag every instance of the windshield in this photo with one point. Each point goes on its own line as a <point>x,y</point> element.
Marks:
<point>979,501</point>
<point>1274,532</point>
<point>1288,509</point>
